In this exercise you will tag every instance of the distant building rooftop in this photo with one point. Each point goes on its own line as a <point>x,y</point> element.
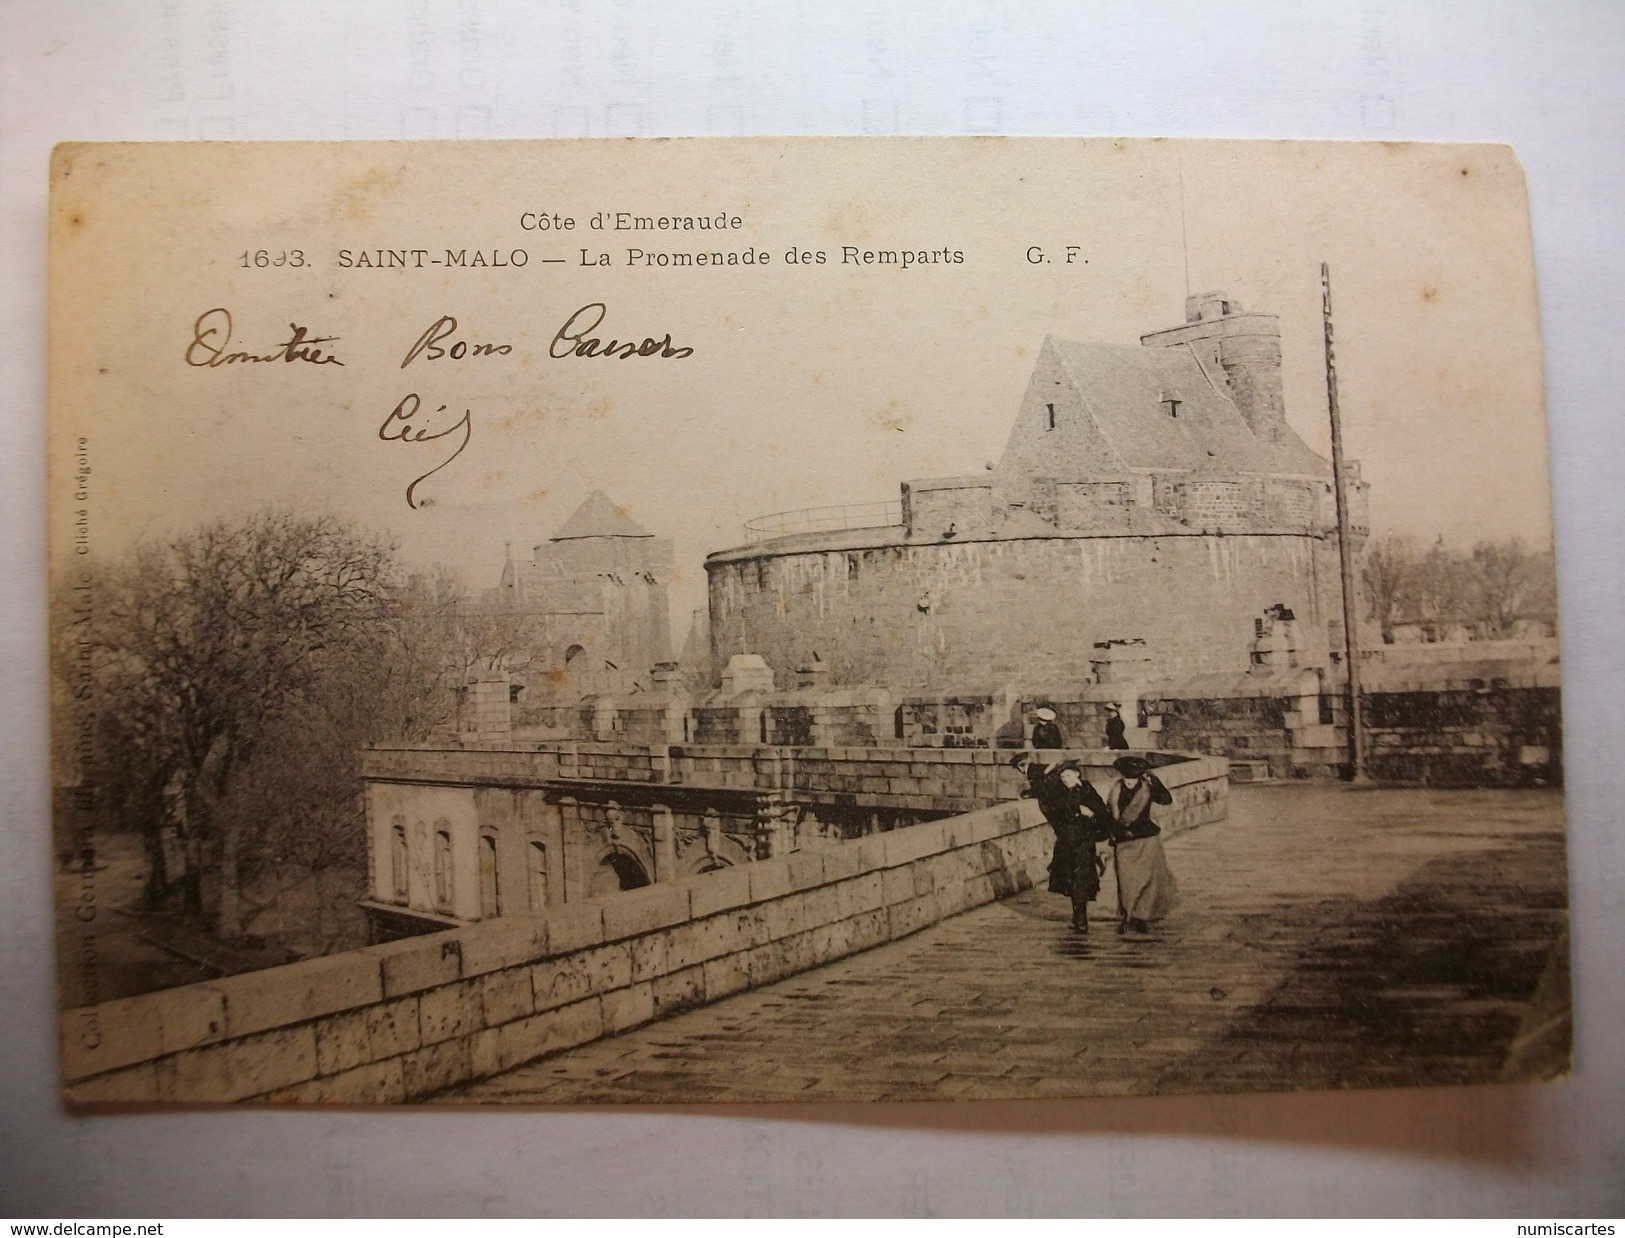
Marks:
<point>599,516</point>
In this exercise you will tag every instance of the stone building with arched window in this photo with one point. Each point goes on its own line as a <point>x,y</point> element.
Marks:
<point>447,853</point>
<point>592,603</point>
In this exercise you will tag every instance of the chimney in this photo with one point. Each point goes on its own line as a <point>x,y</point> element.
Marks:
<point>1277,642</point>
<point>1208,306</point>
<point>813,677</point>
<point>746,672</point>
<point>489,712</point>
<point>1240,350</point>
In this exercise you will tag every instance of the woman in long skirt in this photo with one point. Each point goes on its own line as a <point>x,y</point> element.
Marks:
<point>1080,819</point>
<point>1146,890</point>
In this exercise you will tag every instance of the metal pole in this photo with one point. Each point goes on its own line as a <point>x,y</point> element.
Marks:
<point>1351,605</point>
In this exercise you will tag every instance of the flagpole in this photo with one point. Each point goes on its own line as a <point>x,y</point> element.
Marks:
<point>1345,553</point>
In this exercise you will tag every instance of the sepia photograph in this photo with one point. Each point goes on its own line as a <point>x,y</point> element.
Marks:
<point>794,619</point>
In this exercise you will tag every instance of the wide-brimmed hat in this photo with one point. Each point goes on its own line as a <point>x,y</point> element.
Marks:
<point>1112,709</point>
<point>1020,760</point>
<point>1045,713</point>
<point>1069,763</point>
<point>1132,767</point>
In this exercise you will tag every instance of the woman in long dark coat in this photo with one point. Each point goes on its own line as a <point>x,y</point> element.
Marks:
<point>1116,731</point>
<point>1146,890</point>
<point>1046,730</point>
<point>1034,771</point>
<point>1080,819</point>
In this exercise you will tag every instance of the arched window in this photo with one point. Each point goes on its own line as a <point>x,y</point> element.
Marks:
<point>442,865</point>
<point>536,874</point>
<point>572,653</point>
<point>490,885</point>
<point>398,860</point>
<point>618,870</point>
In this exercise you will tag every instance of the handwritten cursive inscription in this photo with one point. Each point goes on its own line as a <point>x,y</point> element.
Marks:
<point>211,337</point>
<point>573,340</point>
<point>399,427</point>
<point>429,344</point>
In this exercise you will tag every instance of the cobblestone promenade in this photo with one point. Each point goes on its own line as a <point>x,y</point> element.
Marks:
<point>1326,936</point>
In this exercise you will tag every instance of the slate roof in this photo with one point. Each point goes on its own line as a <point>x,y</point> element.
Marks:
<point>599,517</point>
<point>1125,389</point>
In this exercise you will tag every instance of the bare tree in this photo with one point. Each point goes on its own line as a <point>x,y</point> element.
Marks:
<point>1507,582</point>
<point>1441,600</point>
<point>418,682</point>
<point>208,640</point>
<point>1540,604</point>
<point>118,755</point>
<point>301,810</point>
<point>1389,571</point>
<point>1485,593</point>
<point>446,638</point>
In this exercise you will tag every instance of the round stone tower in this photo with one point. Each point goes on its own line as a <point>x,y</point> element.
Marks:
<point>1239,350</point>
<point>1150,496</point>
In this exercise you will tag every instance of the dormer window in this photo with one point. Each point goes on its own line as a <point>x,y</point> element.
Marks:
<point>1051,408</point>
<point>1171,402</point>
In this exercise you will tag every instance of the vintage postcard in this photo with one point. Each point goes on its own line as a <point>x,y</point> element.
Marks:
<point>800,619</point>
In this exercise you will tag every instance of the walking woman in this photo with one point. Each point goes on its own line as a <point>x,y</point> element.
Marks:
<point>1080,819</point>
<point>1047,730</point>
<point>1116,731</point>
<point>1145,888</point>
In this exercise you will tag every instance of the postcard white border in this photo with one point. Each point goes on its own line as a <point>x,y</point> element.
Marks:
<point>1542,77</point>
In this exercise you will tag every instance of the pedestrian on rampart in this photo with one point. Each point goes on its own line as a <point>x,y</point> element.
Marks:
<point>1047,731</point>
<point>1146,890</point>
<point>1033,770</point>
<point>1080,819</point>
<point>1116,732</point>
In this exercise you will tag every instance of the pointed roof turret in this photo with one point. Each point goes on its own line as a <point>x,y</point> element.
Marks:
<point>1120,408</point>
<point>599,516</point>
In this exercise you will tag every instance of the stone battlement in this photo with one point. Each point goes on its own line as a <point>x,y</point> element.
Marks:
<point>943,780</point>
<point>407,1019</point>
<point>458,835</point>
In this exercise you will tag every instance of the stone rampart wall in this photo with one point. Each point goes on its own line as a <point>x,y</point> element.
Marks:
<point>1508,736</point>
<point>941,614</point>
<point>1252,731</point>
<point>408,1019</point>
<point>940,781</point>
<point>516,763</point>
<point>1469,713</point>
<point>1467,737</point>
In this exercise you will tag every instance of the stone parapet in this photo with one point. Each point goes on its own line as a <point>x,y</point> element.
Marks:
<point>938,780</point>
<point>404,1020</point>
<point>1272,721</point>
<point>407,1018</point>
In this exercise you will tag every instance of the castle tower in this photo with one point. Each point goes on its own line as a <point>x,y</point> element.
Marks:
<point>1151,497</point>
<point>1240,350</point>
<point>597,593</point>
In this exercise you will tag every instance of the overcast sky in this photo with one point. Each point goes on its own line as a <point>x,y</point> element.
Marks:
<point>808,384</point>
